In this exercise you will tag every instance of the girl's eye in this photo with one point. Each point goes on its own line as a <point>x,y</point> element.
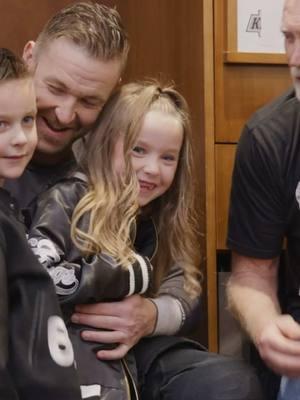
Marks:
<point>138,150</point>
<point>169,158</point>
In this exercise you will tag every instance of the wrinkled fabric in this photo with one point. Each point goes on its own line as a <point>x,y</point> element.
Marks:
<point>36,361</point>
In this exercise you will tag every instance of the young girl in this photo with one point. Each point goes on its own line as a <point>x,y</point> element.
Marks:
<point>131,201</point>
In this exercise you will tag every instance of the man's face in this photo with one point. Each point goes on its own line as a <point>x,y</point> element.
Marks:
<point>291,30</point>
<point>71,89</point>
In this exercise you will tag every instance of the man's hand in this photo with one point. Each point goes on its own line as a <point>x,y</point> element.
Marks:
<point>126,321</point>
<point>279,345</point>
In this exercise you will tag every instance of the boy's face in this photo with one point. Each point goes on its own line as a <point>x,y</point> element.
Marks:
<point>18,135</point>
<point>71,89</point>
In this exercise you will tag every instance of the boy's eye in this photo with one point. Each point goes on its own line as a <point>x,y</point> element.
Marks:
<point>3,124</point>
<point>29,120</point>
<point>138,150</point>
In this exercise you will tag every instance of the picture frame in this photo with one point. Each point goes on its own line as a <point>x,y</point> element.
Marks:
<point>254,25</point>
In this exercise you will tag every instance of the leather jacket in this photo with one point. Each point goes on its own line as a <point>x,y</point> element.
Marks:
<point>36,361</point>
<point>79,280</point>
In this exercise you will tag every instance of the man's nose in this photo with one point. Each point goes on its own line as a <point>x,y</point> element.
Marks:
<point>294,60</point>
<point>66,112</point>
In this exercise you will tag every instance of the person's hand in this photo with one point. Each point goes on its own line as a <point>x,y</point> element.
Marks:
<point>126,321</point>
<point>279,345</point>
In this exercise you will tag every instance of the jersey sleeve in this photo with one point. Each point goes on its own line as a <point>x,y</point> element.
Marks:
<point>257,212</point>
<point>80,279</point>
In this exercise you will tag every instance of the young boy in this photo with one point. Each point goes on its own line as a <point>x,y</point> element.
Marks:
<point>36,356</point>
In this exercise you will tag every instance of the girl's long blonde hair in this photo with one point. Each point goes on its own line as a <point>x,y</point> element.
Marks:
<point>111,199</point>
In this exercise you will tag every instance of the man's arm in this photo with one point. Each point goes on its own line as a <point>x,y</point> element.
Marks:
<point>252,296</point>
<point>135,317</point>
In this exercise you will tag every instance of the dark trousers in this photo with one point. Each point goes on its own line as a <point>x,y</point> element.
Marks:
<point>172,368</point>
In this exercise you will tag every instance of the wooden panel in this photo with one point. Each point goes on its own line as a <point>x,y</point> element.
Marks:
<point>210,175</point>
<point>22,20</point>
<point>161,46</point>
<point>240,89</point>
<point>224,164</point>
<point>254,58</point>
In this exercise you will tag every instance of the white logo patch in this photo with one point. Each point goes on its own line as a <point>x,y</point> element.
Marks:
<point>297,194</point>
<point>60,346</point>
<point>88,391</point>
<point>45,250</point>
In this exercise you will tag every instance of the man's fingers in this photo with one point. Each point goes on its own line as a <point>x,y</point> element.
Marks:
<point>97,321</point>
<point>100,308</point>
<point>114,354</point>
<point>103,336</point>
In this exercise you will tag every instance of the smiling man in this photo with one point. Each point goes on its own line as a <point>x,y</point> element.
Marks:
<point>77,63</point>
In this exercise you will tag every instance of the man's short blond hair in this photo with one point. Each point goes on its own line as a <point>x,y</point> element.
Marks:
<point>95,27</point>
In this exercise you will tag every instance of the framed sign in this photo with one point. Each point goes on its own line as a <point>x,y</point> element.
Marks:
<point>254,32</point>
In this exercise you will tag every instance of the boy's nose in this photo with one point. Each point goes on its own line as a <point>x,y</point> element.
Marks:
<point>20,137</point>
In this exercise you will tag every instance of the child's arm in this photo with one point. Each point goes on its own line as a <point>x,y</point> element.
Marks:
<point>76,278</point>
<point>176,311</point>
<point>172,295</point>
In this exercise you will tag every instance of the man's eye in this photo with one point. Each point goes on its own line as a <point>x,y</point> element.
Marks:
<point>55,89</point>
<point>92,104</point>
<point>288,36</point>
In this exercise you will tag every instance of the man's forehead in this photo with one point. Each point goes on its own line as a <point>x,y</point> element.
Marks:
<point>291,8</point>
<point>291,16</point>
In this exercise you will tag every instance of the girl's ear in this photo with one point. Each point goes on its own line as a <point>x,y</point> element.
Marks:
<point>28,55</point>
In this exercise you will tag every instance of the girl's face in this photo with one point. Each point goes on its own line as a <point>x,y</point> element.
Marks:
<point>156,154</point>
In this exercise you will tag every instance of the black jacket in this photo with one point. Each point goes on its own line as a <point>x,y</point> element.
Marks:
<point>79,280</point>
<point>33,364</point>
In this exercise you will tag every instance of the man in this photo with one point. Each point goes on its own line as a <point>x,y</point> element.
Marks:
<point>78,60</point>
<point>265,204</point>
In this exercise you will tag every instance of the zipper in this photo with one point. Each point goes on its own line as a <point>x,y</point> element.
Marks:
<point>156,240</point>
<point>131,388</point>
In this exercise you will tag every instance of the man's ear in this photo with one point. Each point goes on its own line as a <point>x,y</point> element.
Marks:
<point>28,55</point>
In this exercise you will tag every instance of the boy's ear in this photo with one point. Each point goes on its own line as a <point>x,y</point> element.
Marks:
<point>28,55</point>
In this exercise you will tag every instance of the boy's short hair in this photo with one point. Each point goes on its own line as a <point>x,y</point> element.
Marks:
<point>92,26</point>
<point>12,66</point>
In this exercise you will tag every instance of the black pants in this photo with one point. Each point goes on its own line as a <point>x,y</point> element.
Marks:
<point>172,368</point>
